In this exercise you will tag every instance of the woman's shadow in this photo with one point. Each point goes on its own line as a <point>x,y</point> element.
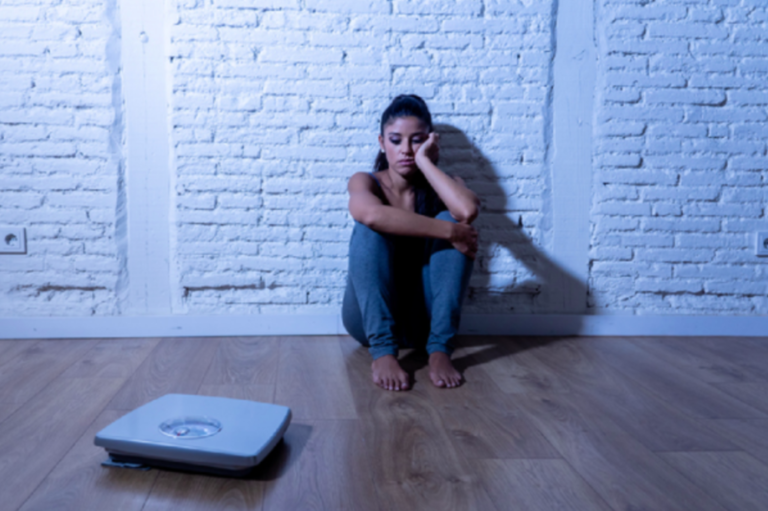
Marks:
<point>512,275</point>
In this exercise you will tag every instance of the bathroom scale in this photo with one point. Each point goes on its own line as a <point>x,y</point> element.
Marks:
<point>215,435</point>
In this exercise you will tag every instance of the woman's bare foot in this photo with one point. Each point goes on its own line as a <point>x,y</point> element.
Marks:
<point>388,374</point>
<point>441,371</point>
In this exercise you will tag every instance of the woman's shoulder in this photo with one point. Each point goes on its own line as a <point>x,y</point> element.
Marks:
<point>360,181</point>
<point>359,175</point>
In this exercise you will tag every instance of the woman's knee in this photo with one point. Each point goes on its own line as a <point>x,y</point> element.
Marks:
<point>438,245</point>
<point>361,230</point>
<point>365,239</point>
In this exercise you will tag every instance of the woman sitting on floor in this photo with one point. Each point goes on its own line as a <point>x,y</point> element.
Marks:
<point>411,251</point>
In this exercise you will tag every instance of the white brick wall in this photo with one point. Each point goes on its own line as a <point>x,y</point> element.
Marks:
<point>277,103</point>
<point>680,157</point>
<point>58,155</point>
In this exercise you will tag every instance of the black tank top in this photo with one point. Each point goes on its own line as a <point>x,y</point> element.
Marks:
<point>428,203</point>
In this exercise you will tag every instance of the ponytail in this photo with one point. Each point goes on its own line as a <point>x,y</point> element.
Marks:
<point>381,162</point>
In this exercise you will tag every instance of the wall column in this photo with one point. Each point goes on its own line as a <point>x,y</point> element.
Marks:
<point>572,104</point>
<point>145,46</point>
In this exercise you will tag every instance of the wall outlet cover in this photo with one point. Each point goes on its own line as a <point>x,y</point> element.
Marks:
<point>13,240</point>
<point>761,243</point>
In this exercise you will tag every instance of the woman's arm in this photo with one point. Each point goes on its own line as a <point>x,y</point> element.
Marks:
<point>367,208</point>
<point>462,202</point>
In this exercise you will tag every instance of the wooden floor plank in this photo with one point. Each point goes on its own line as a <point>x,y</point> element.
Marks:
<point>753,394</point>
<point>417,465</point>
<point>735,479</point>
<point>620,469</point>
<point>512,365</point>
<point>651,420</point>
<point>191,492</point>
<point>36,367</point>
<point>688,355</point>
<point>414,462</point>
<point>480,433</point>
<point>313,380</point>
<point>750,355</point>
<point>112,358</point>
<point>324,464</point>
<point>679,389</point>
<point>260,393</point>
<point>80,483</point>
<point>483,421</point>
<point>244,361</point>
<point>537,485</point>
<point>750,435</point>
<point>10,349</point>
<point>42,431</point>
<point>756,345</point>
<point>176,365</point>
<point>6,410</point>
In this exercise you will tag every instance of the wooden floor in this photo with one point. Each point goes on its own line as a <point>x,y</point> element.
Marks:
<point>541,424</point>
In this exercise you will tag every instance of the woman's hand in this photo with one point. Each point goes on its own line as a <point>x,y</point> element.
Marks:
<point>464,239</point>
<point>429,149</point>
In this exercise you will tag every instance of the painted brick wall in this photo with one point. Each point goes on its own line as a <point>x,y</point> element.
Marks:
<point>680,157</point>
<point>59,159</point>
<point>276,104</point>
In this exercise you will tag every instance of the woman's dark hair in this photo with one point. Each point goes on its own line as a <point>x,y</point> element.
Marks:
<point>411,105</point>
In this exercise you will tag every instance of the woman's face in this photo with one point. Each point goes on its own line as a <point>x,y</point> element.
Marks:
<point>401,139</point>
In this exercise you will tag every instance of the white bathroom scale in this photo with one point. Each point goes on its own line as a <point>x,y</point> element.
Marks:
<point>215,435</point>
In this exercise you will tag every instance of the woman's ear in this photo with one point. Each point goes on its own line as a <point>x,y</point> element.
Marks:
<point>381,144</point>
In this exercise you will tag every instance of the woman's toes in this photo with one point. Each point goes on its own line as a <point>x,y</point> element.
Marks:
<point>388,374</point>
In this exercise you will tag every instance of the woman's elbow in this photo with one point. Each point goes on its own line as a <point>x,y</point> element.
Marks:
<point>367,217</point>
<point>466,216</point>
<point>474,210</point>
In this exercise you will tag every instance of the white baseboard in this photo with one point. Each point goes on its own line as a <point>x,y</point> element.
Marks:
<point>330,324</point>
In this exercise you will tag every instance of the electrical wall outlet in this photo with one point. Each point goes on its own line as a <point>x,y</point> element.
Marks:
<point>761,244</point>
<point>13,240</point>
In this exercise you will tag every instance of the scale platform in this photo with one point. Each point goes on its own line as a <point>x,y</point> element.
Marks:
<point>215,435</point>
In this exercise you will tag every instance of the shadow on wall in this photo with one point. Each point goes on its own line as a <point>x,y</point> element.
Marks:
<point>542,294</point>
